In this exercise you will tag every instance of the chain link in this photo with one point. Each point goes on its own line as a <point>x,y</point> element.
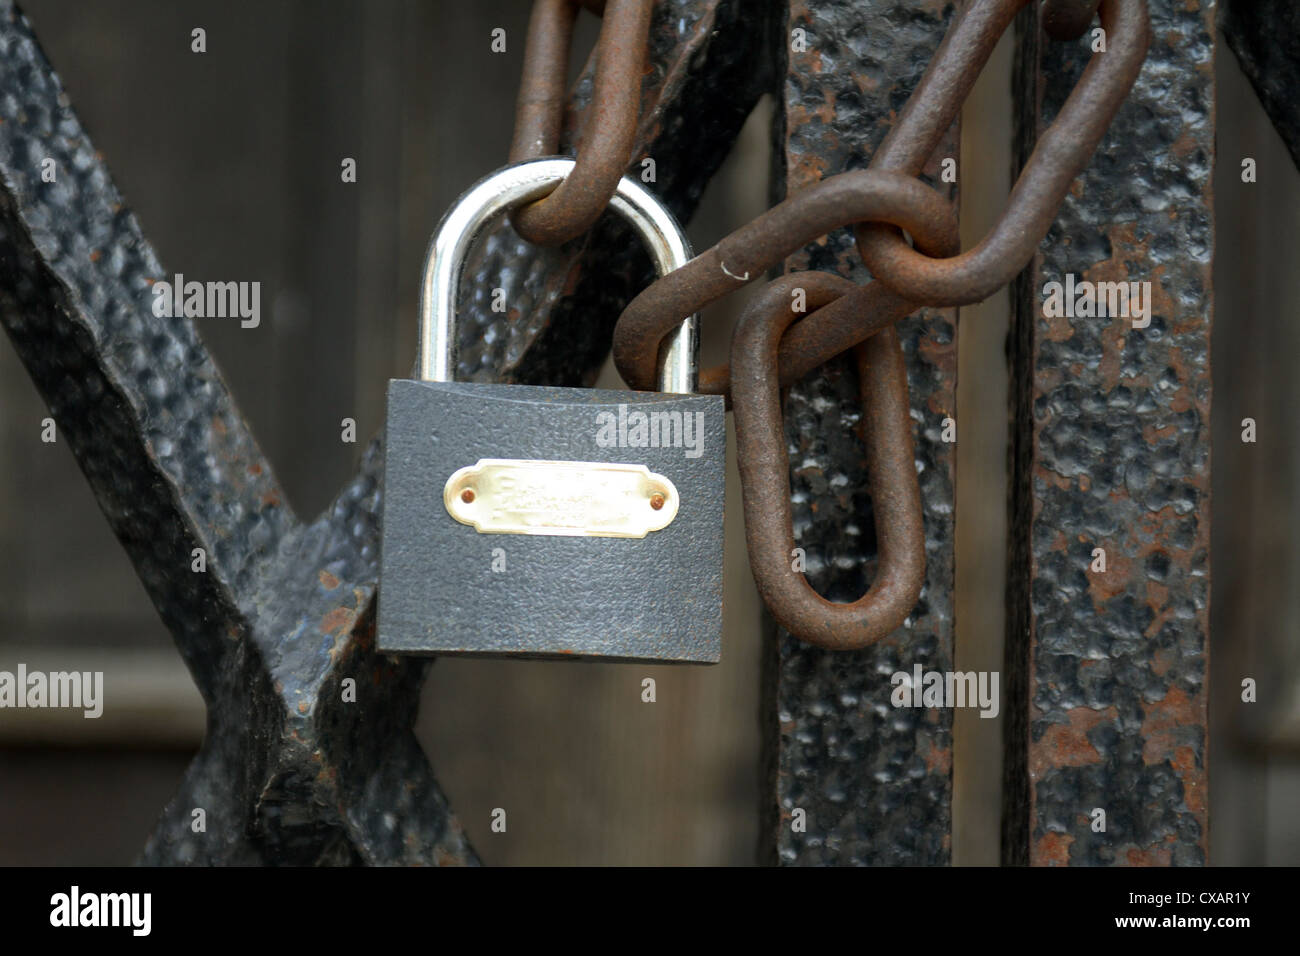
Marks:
<point>765,473</point>
<point>1061,153</point>
<point>766,242</point>
<point>610,134</point>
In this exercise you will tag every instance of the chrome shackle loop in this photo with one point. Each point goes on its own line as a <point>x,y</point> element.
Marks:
<point>517,185</point>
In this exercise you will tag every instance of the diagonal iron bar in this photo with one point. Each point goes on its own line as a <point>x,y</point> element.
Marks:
<point>270,615</point>
<point>292,769</point>
<point>1265,36</point>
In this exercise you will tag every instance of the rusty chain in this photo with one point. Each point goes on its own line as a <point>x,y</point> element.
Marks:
<point>940,278</point>
<point>765,242</point>
<point>770,350</point>
<point>1061,153</point>
<point>606,145</point>
<point>765,473</point>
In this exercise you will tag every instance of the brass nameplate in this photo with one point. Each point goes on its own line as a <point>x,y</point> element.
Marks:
<point>575,498</point>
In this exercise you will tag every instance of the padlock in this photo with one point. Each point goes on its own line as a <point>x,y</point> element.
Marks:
<point>543,522</point>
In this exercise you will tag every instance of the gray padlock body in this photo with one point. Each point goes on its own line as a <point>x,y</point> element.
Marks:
<point>657,598</point>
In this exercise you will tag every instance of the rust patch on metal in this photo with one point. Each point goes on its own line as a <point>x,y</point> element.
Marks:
<point>1068,744</point>
<point>1127,408</point>
<point>338,621</point>
<point>1054,849</point>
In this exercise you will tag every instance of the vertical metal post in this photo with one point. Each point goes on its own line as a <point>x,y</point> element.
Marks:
<point>874,783</point>
<point>1106,722</point>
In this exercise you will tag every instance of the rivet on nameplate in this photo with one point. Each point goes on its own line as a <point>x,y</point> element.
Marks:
<point>574,498</point>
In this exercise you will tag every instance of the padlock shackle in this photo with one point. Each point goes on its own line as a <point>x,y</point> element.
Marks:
<point>513,186</point>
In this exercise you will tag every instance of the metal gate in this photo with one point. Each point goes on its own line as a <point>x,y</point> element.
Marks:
<point>1105,675</point>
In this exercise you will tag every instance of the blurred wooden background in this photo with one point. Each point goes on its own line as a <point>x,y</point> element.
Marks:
<point>231,161</point>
